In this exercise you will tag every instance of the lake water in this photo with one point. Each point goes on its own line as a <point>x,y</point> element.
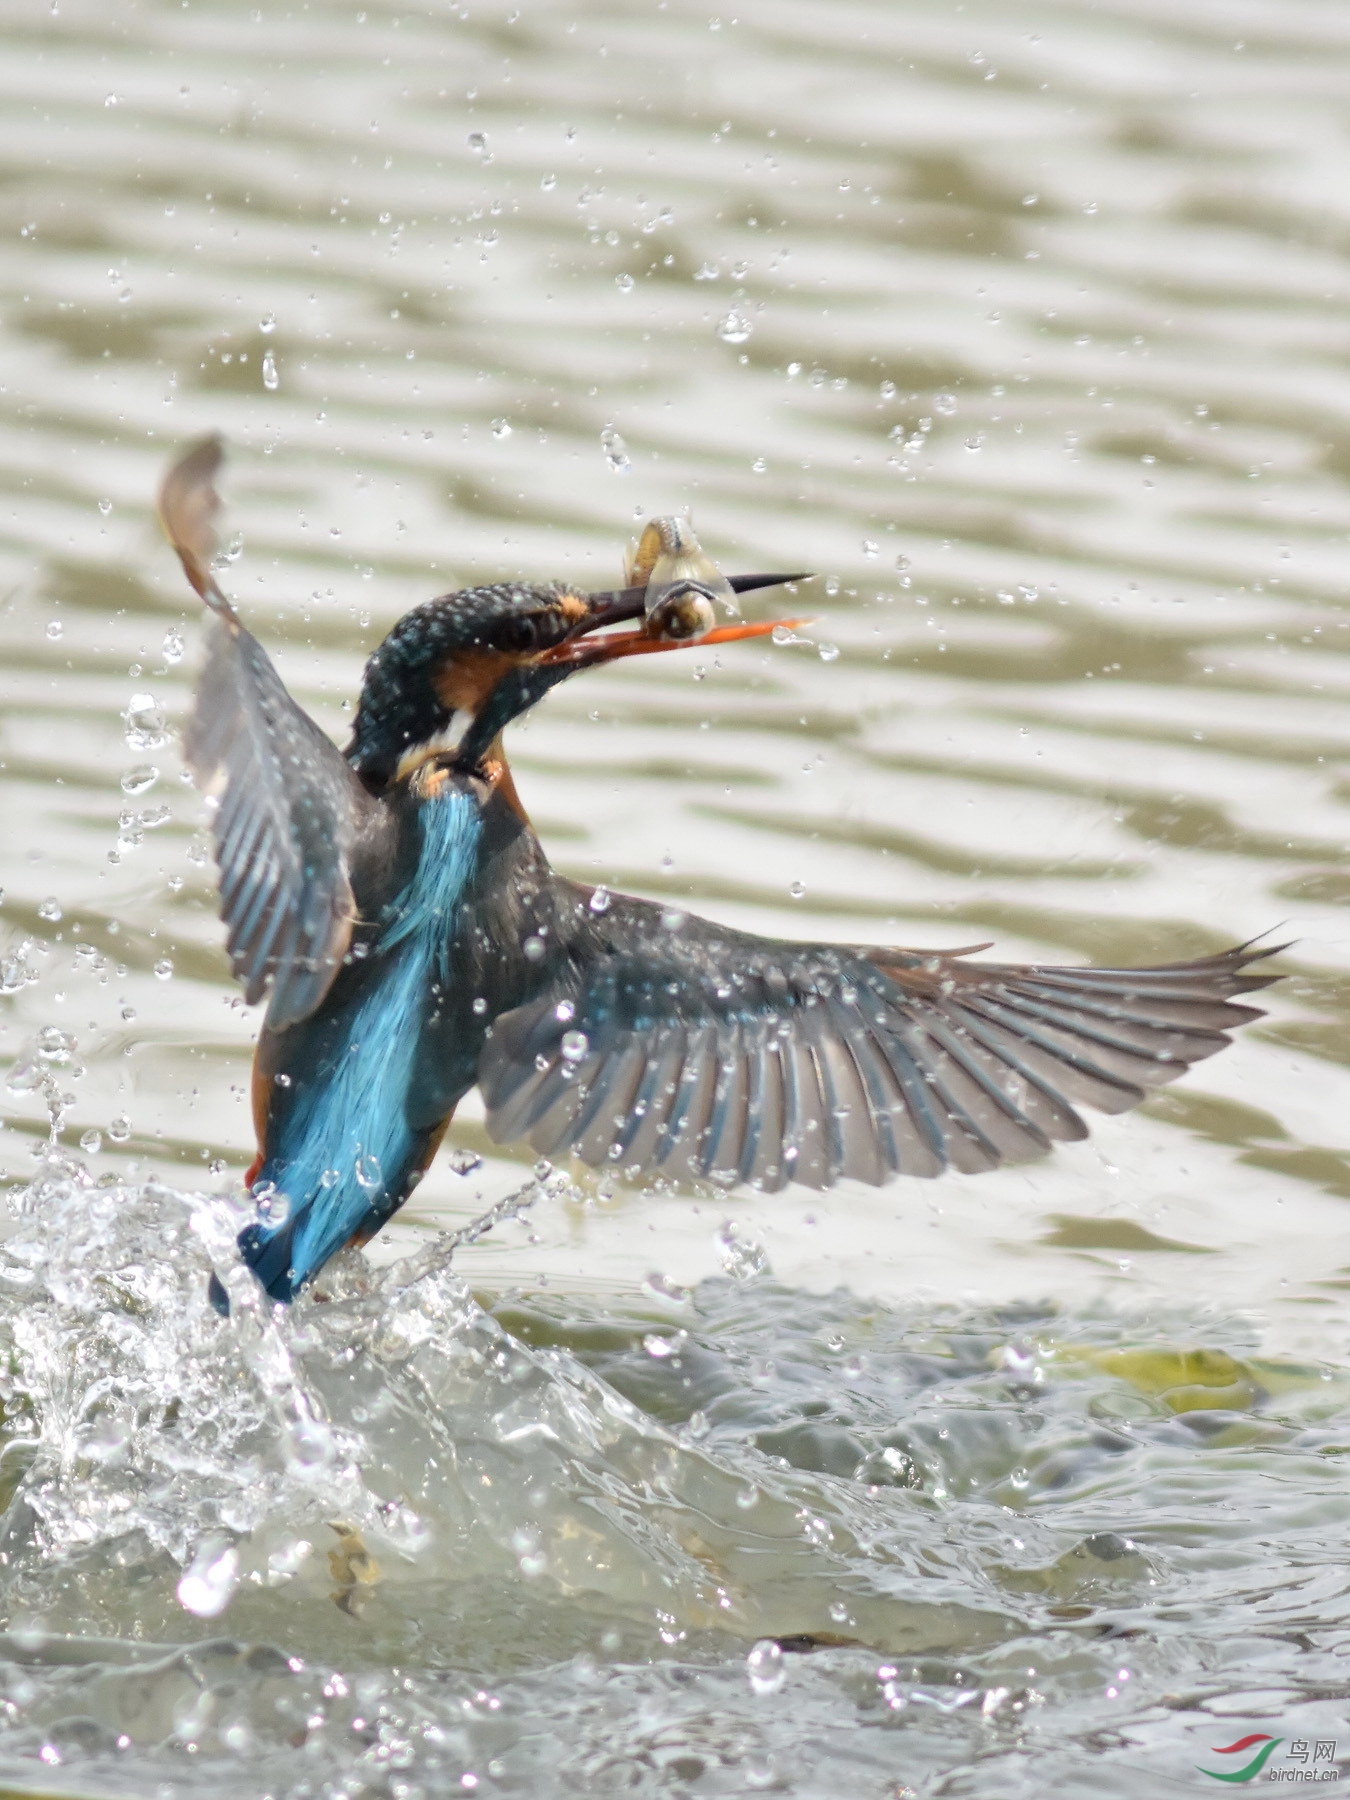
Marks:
<point>1028,328</point>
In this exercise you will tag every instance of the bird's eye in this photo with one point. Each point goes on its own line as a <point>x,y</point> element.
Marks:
<point>521,633</point>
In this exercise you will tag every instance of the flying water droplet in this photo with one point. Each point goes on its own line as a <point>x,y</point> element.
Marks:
<point>164,969</point>
<point>368,1172</point>
<point>56,1046</point>
<point>599,900</point>
<point>145,729</point>
<point>119,1129</point>
<point>464,1162</point>
<point>50,910</point>
<point>616,451</point>
<point>741,1257</point>
<point>208,1583</point>
<point>733,327</point>
<point>624,283</point>
<point>479,145</point>
<point>92,1141</point>
<point>574,1046</point>
<point>54,629</point>
<point>271,380</point>
<point>501,428</point>
<point>270,1205</point>
<point>764,1667</point>
<point>25,1077</point>
<point>267,324</point>
<point>140,779</point>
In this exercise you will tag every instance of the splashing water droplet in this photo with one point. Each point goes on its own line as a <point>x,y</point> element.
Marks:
<point>119,1129</point>
<point>145,728</point>
<point>741,1257</point>
<point>105,507</point>
<point>464,1162</point>
<point>268,323</point>
<point>733,327</point>
<point>54,629</point>
<point>616,451</point>
<point>479,145</point>
<point>624,283</point>
<point>599,900</point>
<point>55,1045</point>
<point>764,1667</point>
<point>25,1077</point>
<point>164,968</point>
<point>797,889</point>
<point>172,647</point>
<point>208,1583</point>
<point>50,910</point>
<point>501,428</point>
<point>828,652</point>
<point>140,779</point>
<point>92,1141</point>
<point>574,1046</point>
<point>271,1206</point>
<point>271,380</point>
<point>368,1172</point>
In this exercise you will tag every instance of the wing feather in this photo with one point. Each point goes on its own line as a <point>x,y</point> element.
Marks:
<point>291,819</point>
<point>719,1056</point>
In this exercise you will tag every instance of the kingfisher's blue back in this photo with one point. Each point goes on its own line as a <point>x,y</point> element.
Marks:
<point>345,1142</point>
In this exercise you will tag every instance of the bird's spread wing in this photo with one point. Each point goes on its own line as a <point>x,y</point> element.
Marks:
<point>290,816</point>
<point>669,1047</point>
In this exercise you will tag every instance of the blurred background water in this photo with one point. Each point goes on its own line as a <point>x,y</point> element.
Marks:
<point>1026,326</point>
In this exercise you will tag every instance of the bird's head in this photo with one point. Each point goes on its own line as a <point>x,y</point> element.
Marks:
<point>453,673</point>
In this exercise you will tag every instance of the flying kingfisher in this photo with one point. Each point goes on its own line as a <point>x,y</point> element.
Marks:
<point>395,903</point>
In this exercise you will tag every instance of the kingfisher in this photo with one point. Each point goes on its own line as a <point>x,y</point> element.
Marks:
<point>395,906</point>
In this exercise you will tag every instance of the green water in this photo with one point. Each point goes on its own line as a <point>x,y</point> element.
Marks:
<point>1025,326</point>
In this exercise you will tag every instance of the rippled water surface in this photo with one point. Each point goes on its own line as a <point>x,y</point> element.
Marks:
<point>1028,327</point>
